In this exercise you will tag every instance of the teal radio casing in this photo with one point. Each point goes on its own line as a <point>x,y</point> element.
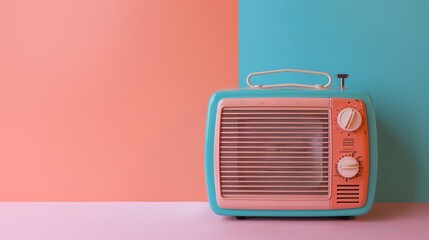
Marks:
<point>263,156</point>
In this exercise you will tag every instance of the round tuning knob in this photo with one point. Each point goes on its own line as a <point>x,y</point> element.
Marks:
<point>349,119</point>
<point>348,167</point>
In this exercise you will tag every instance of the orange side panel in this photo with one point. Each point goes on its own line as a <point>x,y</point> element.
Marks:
<point>349,192</point>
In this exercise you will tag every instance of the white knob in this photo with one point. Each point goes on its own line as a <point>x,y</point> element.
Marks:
<point>348,167</point>
<point>349,119</point>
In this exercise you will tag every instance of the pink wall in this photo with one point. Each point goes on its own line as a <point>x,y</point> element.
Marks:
<point>106,100</point>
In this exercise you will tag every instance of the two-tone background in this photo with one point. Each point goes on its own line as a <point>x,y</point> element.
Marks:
<point>106,100</point>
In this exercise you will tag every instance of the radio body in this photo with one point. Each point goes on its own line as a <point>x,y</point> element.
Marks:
<point>279,152</point>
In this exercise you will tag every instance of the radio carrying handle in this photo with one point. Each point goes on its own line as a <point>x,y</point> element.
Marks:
<point>286,85</point>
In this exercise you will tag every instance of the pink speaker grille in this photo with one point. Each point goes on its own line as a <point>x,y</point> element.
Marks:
<point>268,152</point>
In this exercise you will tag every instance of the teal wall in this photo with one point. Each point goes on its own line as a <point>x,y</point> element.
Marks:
<point>383,45</point>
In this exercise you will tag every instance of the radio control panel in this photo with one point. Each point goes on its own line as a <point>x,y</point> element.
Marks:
<point>350,153</point>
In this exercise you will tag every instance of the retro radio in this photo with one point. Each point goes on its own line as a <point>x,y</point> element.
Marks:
<point>291,150</point>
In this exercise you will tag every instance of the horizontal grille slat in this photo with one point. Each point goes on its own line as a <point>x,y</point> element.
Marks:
<point>278,183</point>
<point>267,171</point>
<point>274,138</point>
<point>279,189</point>
<point>274,113</point>
<point>275,184</point>
<point>347,194</point>
<point>274,151</point>
<point>277,169</point>
<point>259,164</point>
<point>301,127</point>
<point>296,118</point>
<point>270,151</point>
<point>273,132</point>
<point>273,157</point>
<point>276,143</point>
<point>275,178</point>
<point>273,123</point>
<point>273,163</point>
<point>278,174</point>
<point>269,108</point>
<point>262,195</point>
